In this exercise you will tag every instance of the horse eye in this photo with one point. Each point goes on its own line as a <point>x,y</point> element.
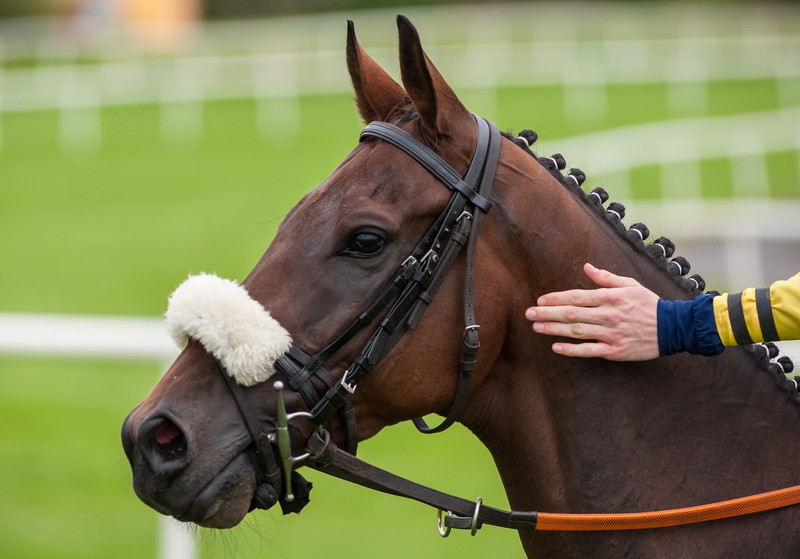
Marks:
<point>364,245</point>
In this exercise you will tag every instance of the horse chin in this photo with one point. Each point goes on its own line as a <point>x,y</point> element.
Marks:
<point>225,501</point>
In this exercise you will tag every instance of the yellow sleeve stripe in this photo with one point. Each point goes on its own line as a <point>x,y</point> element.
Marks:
<point>737,315</point>
<point>721,318</point>
<point>750,311</point>
<point>785,296</point>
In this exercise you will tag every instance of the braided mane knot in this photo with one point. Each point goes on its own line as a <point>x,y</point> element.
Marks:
<point>661,250</point>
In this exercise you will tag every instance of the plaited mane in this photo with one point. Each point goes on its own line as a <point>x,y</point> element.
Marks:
<point>660,251</point>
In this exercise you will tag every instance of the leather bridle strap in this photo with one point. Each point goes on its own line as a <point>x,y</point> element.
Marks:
<point>435,164</point>
<point>268,471</point>
<point>470,344</point>
<point>434,254</point>
<point>466,514</point>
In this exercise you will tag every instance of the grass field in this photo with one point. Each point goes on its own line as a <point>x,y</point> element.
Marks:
<point>114,231</point>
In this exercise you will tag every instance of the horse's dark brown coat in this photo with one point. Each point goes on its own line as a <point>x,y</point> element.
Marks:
<point>567,435</point>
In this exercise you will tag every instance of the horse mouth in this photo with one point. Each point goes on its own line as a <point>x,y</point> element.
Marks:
<point>222,500</point>
<point>226,499</point>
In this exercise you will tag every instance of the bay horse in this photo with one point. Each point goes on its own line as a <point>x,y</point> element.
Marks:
<point>272,365</point>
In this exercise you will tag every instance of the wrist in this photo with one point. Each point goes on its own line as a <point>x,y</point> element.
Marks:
<point>688,326</point>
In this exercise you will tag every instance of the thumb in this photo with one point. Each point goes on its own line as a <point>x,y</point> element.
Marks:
<point>604,278</point>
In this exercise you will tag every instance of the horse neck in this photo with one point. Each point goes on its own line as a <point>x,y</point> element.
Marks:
<point>588,435</point>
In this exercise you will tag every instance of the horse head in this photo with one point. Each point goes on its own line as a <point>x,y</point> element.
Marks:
<point>327,288</point>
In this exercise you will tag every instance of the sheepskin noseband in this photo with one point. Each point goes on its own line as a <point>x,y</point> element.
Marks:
<point>231,325</point>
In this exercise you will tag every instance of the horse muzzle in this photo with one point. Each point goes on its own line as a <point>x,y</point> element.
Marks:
<point>215,491</point>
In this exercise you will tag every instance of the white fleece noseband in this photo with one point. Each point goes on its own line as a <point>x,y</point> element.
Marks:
<point>230,324</point>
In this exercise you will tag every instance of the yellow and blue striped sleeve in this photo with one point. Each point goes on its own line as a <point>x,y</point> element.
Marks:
<point>759,314</point>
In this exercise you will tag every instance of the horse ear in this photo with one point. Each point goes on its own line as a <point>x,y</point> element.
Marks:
<point>436,102</point>
<point>376,92</point>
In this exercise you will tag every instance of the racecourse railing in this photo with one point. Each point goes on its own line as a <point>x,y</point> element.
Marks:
<point>733,230</point>
<point>686,48</point>
<point>79,69</point>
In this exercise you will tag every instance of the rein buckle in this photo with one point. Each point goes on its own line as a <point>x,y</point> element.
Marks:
<point>446,523</point>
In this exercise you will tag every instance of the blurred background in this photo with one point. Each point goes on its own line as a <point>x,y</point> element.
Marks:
<point>144,140</point>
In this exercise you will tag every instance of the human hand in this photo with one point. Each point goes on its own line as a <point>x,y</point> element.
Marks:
<point>619,318</point>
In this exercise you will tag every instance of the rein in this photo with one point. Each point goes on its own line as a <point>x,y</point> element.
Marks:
<point>471,515</point>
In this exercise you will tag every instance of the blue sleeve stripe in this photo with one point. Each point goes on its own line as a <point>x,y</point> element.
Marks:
<point>765,319</point>
<point>738,323</point>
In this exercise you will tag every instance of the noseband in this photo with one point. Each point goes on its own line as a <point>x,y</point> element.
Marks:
<point>406,295</point>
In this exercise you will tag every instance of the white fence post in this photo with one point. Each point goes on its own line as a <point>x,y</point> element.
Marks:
<point>175,539</point>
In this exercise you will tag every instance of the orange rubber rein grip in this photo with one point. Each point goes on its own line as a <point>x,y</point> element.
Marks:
<point>675,517</point>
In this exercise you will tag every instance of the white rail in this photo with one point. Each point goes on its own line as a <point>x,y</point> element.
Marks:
<point>269,74</point>
<point>519,45</point>
<point>99,64</point>
<point>85,336</point>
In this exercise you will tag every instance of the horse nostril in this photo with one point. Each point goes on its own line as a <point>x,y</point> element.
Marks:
<point>164,446</point>
<point>170,444</point>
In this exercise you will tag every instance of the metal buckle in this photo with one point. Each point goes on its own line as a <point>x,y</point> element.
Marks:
<point>350,387</point>
<point>410,261</point>
<point>474,526</point>
<point>444,530</point>
<point>470,334</point>
<point>464,214</point>
<point>429,256</point>
<point>444,525</point>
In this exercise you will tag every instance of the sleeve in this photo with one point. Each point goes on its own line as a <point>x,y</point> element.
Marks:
<point>688,326</point>
<point>759,315</point>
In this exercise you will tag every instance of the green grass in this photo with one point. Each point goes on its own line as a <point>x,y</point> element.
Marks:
<point>64,482</point>
<point>114,232</point>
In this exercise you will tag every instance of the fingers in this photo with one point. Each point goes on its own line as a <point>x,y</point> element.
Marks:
<point>573,297</point>
<point>604,278</point>
<point>576,330</point>
<point>586,350</point>
<point>589,297</point>
<point>566,314</point>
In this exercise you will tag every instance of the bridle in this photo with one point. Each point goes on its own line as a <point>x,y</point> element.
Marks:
<point>413,286</point>
<point>406,296</point>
